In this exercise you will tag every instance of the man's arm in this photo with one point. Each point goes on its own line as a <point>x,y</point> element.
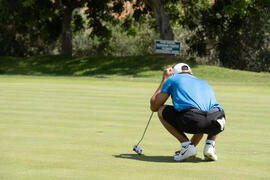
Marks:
<point>158,99</point>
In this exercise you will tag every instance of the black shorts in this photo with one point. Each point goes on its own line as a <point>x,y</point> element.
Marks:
<point>194,121</point>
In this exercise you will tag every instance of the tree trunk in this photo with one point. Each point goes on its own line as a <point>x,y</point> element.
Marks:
<point>66,32</point>
<point>157,6</point>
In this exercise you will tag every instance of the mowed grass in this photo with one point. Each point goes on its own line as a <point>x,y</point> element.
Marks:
<point>82,128</point>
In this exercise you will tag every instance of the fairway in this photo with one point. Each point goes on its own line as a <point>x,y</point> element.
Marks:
<point>84,128</point>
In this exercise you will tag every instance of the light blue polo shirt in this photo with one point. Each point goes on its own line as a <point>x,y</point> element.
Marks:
<point>188,91</point>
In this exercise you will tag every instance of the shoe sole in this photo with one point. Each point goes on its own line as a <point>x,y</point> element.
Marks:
<point>209,157</point>
<point>189,157</point>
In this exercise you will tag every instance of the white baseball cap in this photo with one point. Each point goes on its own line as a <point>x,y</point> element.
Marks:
<point>178,68</point>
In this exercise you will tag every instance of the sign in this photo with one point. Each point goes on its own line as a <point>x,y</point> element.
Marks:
<point>167,47</point>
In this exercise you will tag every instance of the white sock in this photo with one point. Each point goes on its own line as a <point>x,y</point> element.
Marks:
<point>185,143</point>
<point>211,142</point>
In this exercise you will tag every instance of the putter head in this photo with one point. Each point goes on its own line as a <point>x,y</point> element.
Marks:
<point>137,149</point>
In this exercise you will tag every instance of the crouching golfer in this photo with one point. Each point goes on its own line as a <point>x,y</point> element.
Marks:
<point>195,111</point>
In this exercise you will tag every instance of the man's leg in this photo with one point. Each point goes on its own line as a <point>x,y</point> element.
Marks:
<point>211,137</point>
<point>214,129</point>
<point>196,138</point>
<point>178,135</point>
<point>209,148</point>
<point>187,149</point>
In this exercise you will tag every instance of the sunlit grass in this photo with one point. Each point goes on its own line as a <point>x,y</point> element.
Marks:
<point>84,128</point>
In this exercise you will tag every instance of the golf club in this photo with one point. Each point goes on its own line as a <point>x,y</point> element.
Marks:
<point>136,147</point>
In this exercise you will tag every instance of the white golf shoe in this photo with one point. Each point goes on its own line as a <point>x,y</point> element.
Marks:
<point>210,152</point>
<point>185,153</point>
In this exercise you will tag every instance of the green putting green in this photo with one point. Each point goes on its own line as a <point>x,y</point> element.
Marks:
<point>82,128</point>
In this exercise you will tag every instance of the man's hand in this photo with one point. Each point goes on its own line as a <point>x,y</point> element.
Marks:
<point>167,73</point>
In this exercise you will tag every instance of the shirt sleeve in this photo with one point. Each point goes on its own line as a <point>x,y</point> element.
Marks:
<point>166,88</point>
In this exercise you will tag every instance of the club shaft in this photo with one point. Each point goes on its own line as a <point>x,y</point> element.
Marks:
<point>145,128</point>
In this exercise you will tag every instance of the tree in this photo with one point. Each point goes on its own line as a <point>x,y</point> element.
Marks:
<point>37,24</point>
<point>66,8</point>
<point>24,26</point>
<point>157,6</point>
<point>97,12</point>
<point>158,9</point>
<point>232,33</point>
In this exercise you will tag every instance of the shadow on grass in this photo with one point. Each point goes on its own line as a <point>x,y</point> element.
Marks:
<point>87,66</point>
<point>163,159</point>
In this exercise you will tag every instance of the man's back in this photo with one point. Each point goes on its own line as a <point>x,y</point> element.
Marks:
<point>188,91</point>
